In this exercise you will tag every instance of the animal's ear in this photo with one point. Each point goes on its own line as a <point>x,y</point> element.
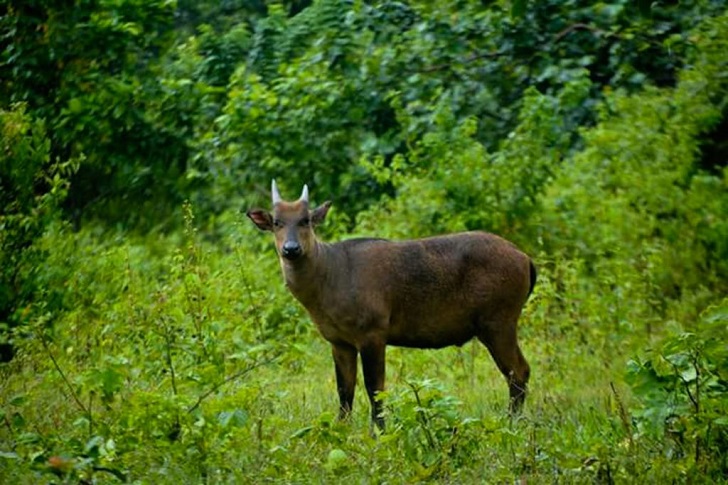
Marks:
<point>319,213</point>
<point>261,218</point>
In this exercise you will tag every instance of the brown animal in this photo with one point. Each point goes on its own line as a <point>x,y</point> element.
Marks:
<point>365,294</point>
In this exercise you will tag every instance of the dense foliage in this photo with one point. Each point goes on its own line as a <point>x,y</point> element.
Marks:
<point>144,332</point>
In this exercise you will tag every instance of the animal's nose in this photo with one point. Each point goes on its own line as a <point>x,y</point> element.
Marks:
<point>291,250</point>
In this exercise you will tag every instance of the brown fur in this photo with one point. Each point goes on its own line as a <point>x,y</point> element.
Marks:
<point>364,294</point>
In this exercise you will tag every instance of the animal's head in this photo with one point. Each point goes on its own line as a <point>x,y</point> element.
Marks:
<point>292,223</point>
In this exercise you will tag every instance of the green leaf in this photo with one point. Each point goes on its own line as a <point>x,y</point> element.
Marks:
<point>236,418</point>
<point>689,374</point>
<point>336,460</point>
<point>302,432</point>
<point>518,8</point>
<point>10,455</point>
<point>29,438</point>
<point>93,446</point>
<point>75,105</point>
<point>645,7</point>
<point>721,421</point>
<point>662,366</point>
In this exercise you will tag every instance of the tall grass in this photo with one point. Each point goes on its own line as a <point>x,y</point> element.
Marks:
<point>185,360</point>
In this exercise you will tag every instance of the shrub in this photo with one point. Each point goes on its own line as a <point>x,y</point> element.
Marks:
<point>681,387</point>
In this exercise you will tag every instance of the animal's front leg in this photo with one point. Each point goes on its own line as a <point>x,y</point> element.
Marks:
<point>373,363</point>
<point>345,363</point>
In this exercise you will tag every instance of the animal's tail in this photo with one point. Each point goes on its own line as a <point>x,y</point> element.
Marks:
<point>533,277</point>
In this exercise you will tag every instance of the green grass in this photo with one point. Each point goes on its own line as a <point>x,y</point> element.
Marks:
<point>570,430</point>
<point>254,400</point>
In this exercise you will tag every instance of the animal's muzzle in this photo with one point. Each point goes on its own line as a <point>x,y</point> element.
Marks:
<point>291,250</point>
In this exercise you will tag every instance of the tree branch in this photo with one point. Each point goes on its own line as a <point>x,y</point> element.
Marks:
<point>695,402</point>
<point>422,417</point>
<point>237,375</point>
<point>472,58</point>
<point>573,27</point>
<point>75,397</point>
<point>492,55</point>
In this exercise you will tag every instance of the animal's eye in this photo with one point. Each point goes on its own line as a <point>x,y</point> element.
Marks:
<point>277,223</point>
<point>304,222</point>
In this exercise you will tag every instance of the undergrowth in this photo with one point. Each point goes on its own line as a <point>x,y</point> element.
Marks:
<point>191,364</point>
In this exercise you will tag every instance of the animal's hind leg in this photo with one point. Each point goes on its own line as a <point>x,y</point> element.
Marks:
<point>502,342</point>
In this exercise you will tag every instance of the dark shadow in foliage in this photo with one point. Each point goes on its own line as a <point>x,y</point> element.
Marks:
<point>31,187</point>
<point>714,148</point>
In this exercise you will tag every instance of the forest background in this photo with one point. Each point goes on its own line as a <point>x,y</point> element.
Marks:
<point>146,335</point>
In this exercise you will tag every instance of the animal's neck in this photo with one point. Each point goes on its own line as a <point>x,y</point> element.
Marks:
<point>307,278</point>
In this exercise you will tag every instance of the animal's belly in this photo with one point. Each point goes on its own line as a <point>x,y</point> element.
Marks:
<point>428,342</point>
<point>422,329</point>
<point>430,334</point>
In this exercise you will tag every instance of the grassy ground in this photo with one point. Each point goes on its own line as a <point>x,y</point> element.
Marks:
<point>195,366</point>
<point>447,421</point>
<point>571,429</point>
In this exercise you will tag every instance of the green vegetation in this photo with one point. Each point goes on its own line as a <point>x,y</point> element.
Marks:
<point>145,333</point>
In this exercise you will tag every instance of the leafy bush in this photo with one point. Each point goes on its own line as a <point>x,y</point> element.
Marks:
<point>88,71</point>
<point>143,347</point>
<point>634,203</point>
<point>31,189</point>
<point>448,181</point>
<point>682,390</point>
<point>430,428</point>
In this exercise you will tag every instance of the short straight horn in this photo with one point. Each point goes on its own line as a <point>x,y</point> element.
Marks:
<point>304,194</point>
<point>274,193</point>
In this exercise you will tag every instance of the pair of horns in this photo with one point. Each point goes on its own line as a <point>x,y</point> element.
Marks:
<point>277,196</point>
